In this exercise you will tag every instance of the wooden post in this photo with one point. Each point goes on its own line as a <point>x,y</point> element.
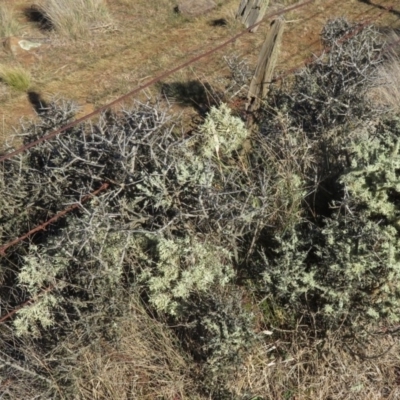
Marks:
<point>252,11</point>
<point>265,68</point>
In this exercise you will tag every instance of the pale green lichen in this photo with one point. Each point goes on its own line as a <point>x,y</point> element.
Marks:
<point>39,314</point>
<point>222,133</point>
<point>374,178</point>
<point>183,267</point>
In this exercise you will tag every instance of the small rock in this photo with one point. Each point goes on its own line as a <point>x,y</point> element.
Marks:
<point>16,45</point>
<point>193,8</point>
<point>20,48</point>
<point>27,44</point>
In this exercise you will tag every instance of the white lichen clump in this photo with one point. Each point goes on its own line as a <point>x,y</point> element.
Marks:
<point>222,133</point>
<point>184,267</point>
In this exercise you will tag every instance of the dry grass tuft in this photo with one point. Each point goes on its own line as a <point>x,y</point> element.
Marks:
<point>75,18</point>
<point>8,25</point>
<point>387,93</point>
<point>144,363</point>
<point>16,77</point>
<point>291,366</point>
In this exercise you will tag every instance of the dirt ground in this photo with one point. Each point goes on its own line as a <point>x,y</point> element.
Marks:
<point>142,42</point>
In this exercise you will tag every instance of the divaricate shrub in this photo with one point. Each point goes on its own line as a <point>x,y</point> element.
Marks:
<point>341,262</point>
<point>302,213</point>
<point>330,91</point>
<point>347,272</point>
<point>177,219</point>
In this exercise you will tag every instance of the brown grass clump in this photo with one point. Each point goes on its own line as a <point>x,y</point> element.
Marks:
<point>387,93</point>
<point>16,77</point>
<point>144,363</point>
<point>75,18</point>
<point>292,365</point>
<point>8,24</point>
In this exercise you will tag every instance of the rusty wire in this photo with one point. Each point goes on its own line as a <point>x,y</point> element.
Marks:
<point>43,226</point>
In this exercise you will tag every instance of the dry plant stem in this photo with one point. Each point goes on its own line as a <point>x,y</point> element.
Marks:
<point>345,37</point>
<point>39,228</point>
<point>14,365</point>
<point>26,303</point>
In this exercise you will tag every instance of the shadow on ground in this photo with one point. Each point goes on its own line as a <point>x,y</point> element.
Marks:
<point>35,14</point>
<point>199,95</point>
<point>219,22</point>
<point>37,102</point>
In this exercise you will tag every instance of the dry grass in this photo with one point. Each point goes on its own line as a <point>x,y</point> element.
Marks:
<point>145,363</point>
<point>76,18</point>
<point>8,24</point>
<point>17,78</point>
<point>387,93</point>
<point>291,365</point>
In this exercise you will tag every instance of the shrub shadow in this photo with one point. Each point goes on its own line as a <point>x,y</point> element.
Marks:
<point>219,22</point>
<point>36,15</point>
<point>38,103</point>
<point>199,95</point>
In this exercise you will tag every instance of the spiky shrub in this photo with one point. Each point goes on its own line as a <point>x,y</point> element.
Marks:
<point>153,183</point>
<point>330,91</point>
<point>327,102</point>
<point>346,269</point>
<point>177,219</point>
<point>346,273</point>
<point>342,264</point>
